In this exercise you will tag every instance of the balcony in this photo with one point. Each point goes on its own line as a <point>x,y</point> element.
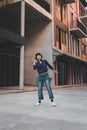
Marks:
<point>84,3</point>
<point>5,2</point>
<point>78,29</point>
<point>8,38</point>
<point>44,4</point>
<point>84,18</point>
<point>68,1</point>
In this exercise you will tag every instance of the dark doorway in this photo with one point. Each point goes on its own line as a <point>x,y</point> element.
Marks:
<point>63,73</point>
<point>9,66</point>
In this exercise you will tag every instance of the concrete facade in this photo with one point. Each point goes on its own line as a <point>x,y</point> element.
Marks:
<point>39,41</point>
<point>55,28</point>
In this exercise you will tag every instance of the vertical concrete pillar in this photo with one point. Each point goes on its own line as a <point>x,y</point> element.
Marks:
<point>80,53</point>
<point>21,78</point>
<point>53,39</point>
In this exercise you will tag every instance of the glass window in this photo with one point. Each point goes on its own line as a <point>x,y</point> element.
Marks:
<point>77,47</point>
<point>65,11</point>
<point>57,33</point>
<point>72,44</point>
<point>63,37</point>
<point>59,7</point>
<point>71,21</point>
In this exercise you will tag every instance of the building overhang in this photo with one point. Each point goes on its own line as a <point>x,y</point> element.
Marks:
<point>9,38</point>
<point>72,58</point>
<point>34,5</point>
<point>33,13</point>
<point>84,19</point>
<point>62,55</point>
<point>78,33</point>
<point>68,1</point>
<point>57,52</point>
<point>34,10</point>
<point>38,9</point>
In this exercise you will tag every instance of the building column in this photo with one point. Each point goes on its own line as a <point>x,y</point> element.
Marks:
<point>21,78</point>
<point>53,39</point>
<point>80,48</point>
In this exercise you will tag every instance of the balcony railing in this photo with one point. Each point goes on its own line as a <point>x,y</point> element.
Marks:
<point>84,2</point>
<point>83,18</point>
<point>78,29</point>
<point>4,2</point>
<point>44,4</point>
<point>68,1</point>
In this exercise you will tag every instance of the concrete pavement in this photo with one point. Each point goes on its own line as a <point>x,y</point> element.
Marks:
<point>17,111</point>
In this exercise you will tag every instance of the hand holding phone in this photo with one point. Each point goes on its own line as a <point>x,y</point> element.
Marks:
<point>34,61</point>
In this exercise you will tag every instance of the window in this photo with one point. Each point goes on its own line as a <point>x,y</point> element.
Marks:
<point>57,33</point>
<point>59,8</point>
<point>71,22</point>
<point>64,37</point>
<point>56,2</point>
<point>72,44</point>
<point>77,47</point>
<point>58,37</point>
<point>65,12</point>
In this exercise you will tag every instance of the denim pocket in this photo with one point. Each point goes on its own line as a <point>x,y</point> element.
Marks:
<point>46,76</point>
<point>40,78</point>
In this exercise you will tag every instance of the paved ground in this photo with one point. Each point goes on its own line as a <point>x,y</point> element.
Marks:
<point>17,111</point>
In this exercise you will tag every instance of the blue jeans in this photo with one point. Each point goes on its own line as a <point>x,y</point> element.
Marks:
<point>41,79</point>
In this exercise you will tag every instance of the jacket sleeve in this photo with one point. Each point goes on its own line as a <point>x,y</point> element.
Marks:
<point>34,67</point>
<point>51,67</point>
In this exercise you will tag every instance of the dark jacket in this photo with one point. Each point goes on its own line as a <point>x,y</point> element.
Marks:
<point>42,67</point>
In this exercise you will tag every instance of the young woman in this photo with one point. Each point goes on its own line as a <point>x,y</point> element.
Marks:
<point>42,68</point>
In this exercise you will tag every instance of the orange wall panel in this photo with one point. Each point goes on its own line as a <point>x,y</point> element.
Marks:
<point>64,47</point>
<point>57,44</point>
<point>65,21</point>
<point>58,15</point>
<point>84,56</point>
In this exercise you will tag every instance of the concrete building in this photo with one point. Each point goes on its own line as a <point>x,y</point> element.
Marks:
<point>56,28</point>
<point>70,32</point>
<point>30,19</point>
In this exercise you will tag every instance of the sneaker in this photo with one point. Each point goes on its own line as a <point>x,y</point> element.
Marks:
<point>53,104</point>
<point>37,104</point>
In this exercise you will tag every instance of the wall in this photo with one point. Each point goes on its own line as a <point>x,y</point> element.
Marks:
<point>39,39</point>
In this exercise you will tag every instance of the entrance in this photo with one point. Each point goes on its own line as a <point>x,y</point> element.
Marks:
<point>63,73</point>
<point>9,66</point>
